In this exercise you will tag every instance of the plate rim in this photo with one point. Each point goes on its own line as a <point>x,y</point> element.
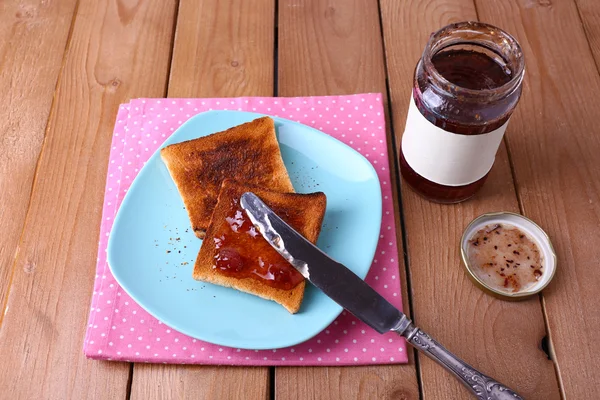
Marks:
<point>169,140</point>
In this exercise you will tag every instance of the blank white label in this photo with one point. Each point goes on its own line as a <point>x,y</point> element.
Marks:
<point>444,157</point>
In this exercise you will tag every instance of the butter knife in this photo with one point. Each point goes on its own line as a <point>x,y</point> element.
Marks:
<point>352,293</point>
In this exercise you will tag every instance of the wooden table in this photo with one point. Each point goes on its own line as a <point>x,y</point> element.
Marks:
<point>65,66</point>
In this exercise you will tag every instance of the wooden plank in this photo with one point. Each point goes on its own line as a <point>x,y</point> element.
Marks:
<point>33,36</point>
<point>333,383</point>
<point>117,51</point>
<point>589,12</point>
<point>500,338</point>
<point>554,144</point>
<point>221,49</point>
<point>327,48</point>
<point>198,382</point>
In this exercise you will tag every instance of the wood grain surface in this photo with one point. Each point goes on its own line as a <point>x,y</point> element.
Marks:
<point>65,66</point>
<point>555,146</point>
<point>33,36</point>
<point>589,12</point>
<point>198,382</point>
<point>500,338</point>
<point>326,48</point>
<point>221,49</point>
<point>116,51</point>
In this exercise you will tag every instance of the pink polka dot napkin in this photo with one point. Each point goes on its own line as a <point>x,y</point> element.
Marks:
<point>119,329</point>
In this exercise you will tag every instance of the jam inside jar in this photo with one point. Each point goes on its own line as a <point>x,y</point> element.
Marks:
<point>466,86</point>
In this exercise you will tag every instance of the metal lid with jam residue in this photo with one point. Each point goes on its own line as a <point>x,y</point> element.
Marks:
<point>508,255</point>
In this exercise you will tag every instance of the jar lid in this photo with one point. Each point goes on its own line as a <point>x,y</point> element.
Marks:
<point>488,223</point>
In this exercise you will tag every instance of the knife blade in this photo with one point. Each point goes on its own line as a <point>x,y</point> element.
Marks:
<point>338,282</point>
<point>351,292</point>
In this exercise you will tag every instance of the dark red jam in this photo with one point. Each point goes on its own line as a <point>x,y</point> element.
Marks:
<point>466,87</point>
<point>242,252</point>
<point>470,69</point>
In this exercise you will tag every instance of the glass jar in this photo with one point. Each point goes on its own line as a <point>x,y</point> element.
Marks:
<point>466,86</point>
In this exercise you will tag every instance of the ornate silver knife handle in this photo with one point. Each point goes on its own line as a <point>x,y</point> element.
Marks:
<point>482,386</point>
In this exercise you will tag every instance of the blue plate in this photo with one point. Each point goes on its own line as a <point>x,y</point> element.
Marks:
<point>151,249</point>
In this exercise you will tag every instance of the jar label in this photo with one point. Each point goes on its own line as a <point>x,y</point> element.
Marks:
<point>444,157</point>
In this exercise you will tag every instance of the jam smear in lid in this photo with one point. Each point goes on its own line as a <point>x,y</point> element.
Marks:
<point>505,258</point>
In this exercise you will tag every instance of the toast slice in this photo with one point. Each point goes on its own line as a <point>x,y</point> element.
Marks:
<point>235,255</point>
<point>246,153</point>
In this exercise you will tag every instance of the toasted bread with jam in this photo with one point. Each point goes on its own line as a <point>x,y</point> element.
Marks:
<point>234,254</point>
<point>247,153</point>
